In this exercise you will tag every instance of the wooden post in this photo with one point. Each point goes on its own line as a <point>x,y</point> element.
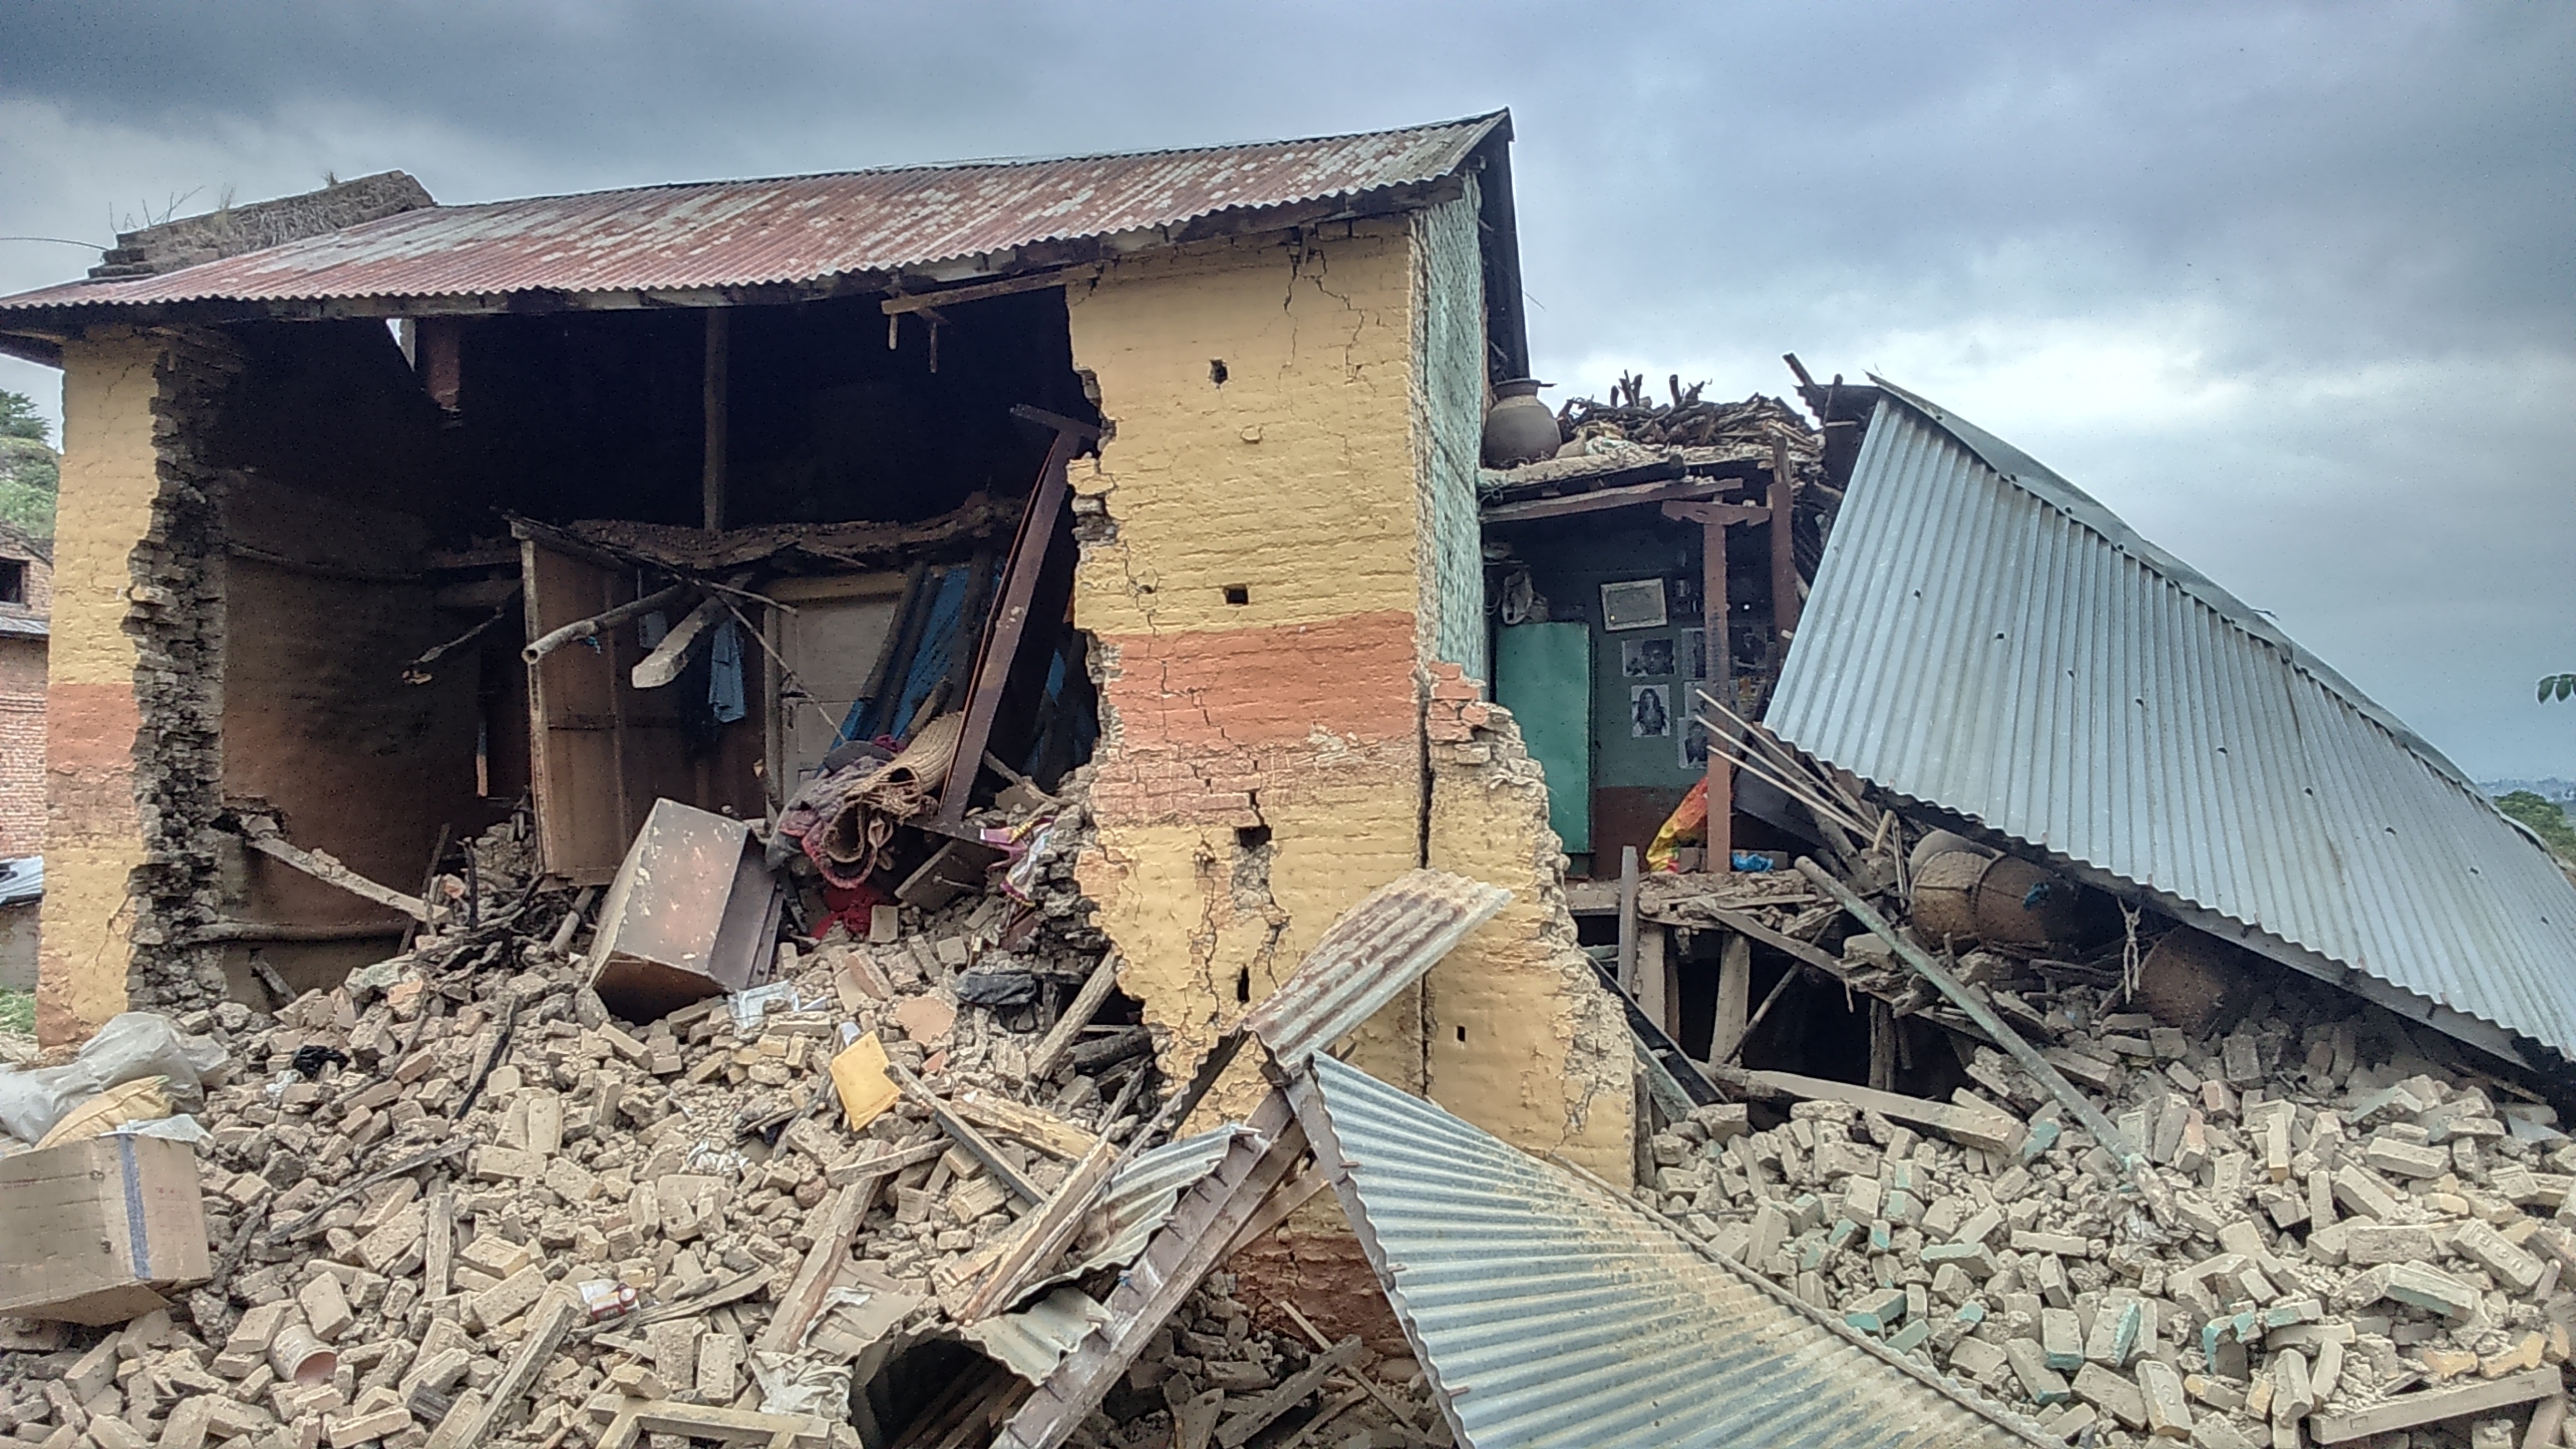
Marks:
<point>1784,557</point>
<point>1734,997</point>
<point>711,475</point>
<point>1719,666</point>
<point>1655,993</point>
<point>1628,919</point>
<point>1882,1046</point>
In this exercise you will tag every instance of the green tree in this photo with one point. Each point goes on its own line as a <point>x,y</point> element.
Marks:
<point>2545,818</point>
<point>30,469</point>
<point>2556,686</point>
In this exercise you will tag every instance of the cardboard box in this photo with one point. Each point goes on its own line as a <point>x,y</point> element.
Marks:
<point>98,1231</point>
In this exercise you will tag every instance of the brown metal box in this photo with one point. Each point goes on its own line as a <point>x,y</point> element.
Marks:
<point>98,1231</point>
<point>691,913</point>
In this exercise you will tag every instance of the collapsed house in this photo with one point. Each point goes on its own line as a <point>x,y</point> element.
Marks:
<point>822,810</point>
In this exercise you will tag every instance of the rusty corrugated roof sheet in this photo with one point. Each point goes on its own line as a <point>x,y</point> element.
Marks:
<point>1369,953</point>
<point>1551,1315</point>
<point>731,234</point>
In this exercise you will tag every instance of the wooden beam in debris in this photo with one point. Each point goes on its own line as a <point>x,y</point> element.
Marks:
<point>262,836</point>
<point>672,655</point>
<point>1000,651</point>
<point>1633,496</point>
<point>592,627</point>
<point>1716,514</point>
<point>2022,1053</point>
<point>1974,1127</point>
<point>1784,553</point>
<point>2431,1406</point>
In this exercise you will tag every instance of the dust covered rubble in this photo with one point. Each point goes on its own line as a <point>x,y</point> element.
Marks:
<point>419,1168</point>
<point>2359,1215</point>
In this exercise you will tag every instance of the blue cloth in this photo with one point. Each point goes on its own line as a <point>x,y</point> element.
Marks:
<point>724,679</point>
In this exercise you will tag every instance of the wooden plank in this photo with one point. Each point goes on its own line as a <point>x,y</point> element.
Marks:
<point>1734,999</point>
<point>1086,1005</point>
<point>1751,925</point>
<point>897,305</point>
<point>671,656</point>
<point>329,871</point>
<point>1717,513</point>
<point>822,1264</point>
<point>1040,1129</point>
<point>727,1426</point>
<point>1043,1235</point>
<point>1000,649</point>
<point>548,1322</point>
<point>967,1137</point>
<point>1784,553</point>
<point>1717,668</point>
<point>1628,921</point>
<point>2022,1053</point>
<point>1985,1131</point>
<point>1264,1411</point>
<point>1655,988</point>
<point>2431,1406</point>
<point>1632,496</point>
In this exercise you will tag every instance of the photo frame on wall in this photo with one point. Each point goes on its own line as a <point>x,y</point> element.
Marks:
<point>1646,658</point>
<point>1650,711</point>
<point>1634,604</point>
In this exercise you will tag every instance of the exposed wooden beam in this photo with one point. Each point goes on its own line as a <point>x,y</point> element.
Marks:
<point>903,302</point>
<point>1604,498</point>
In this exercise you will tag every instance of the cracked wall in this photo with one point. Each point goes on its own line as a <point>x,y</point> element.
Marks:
<point>1519,1038</point>
<point>132,690</point>
<point>1250,578</point>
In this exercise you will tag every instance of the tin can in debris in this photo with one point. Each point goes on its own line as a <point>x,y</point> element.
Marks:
<point>606,1298</point>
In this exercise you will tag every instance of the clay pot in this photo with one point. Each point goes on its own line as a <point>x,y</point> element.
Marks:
<point>1518,427</point>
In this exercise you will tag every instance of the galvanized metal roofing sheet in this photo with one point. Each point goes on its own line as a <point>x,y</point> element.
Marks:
<point>794,229</point>
<point>1984,637</point>
<point>1547,1312</point>
<point>1369,953</point>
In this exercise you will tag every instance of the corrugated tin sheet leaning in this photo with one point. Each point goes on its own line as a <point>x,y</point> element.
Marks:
<point>1550,1313</point>
<point>1987,639</point>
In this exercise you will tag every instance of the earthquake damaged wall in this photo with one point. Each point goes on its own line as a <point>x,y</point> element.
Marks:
<point>1521,1040</point>
<point>1260,762</point>
<point>132,694</point>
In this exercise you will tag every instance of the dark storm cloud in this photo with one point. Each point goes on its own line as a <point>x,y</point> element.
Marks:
<point>2290,285</point>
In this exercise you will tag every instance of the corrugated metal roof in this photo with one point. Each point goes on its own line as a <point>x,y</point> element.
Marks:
<point>1546,1312</point>
<point>1034,1340</point>
<point>795,229</point>
<point>1370,952</point>
<point>1984,637</point>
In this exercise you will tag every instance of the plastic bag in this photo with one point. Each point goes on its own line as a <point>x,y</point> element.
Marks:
<point>134,1045</point>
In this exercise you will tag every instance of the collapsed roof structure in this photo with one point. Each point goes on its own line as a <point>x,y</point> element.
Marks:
<point>916,689</point>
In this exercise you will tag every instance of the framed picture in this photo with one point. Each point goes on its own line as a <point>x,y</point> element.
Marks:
<point>1693,653</point>
<point>1650,711</point>
<point>1636,604</point>
<point>1691,739</point>
<point>1646,658</point>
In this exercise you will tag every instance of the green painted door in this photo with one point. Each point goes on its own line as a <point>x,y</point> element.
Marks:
<point>1543,675</point>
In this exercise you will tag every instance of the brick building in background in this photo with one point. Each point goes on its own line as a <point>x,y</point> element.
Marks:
<point>26,601</point>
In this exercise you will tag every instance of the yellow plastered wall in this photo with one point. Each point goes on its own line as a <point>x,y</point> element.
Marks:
<point>1521,1040</point>
<point>94,835</point>
<point>1293,711</point>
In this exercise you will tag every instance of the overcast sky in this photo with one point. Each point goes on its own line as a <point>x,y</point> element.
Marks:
<point>2292,287</point>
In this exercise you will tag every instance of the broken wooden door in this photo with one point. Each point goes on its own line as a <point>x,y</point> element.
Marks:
<point>602,750</point>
